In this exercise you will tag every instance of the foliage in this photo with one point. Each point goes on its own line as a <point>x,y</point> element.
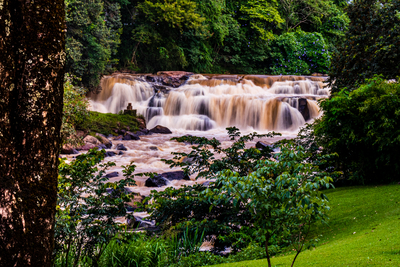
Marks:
<point>87,207</point>
<point>106,123</point>
<point>251,196</point>
<point>282,196</point>
<point>299,53</point>
<point>93,35</point>
<point>174,208</point>
<point>371,44</point>
<point>136,251</point>
<point>75,111</point>
<point>362,127</point>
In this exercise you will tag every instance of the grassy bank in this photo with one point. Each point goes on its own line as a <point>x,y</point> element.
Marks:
<point>107,123</point>
<point>364,230</point>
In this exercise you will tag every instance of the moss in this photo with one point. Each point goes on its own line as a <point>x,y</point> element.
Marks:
<point>107,123</point>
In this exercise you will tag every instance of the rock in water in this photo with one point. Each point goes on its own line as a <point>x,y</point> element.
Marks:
<point>112,174</point>
<point>131,136</point>
<point>121,147</point>
<point>161,130</point>
<point>156,181</point>
<point>110,154</point>
<point>176,175</point>
<point>303,108</point>
<point>104,140</point>
<point>91,140</point>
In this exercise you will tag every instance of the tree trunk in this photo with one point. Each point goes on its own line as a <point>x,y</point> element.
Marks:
<point>266,250</point>
<point>32,41</point>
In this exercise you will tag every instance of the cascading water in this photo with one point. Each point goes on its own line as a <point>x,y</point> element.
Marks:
<point>280,103</point>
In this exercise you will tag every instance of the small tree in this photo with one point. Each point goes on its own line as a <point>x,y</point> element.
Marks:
<point>282,195</point>
<point>87,207</point>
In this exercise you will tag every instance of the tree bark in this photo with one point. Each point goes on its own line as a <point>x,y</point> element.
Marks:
<point>32,41</point>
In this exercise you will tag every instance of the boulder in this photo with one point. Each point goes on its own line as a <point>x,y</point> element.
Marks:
<point>119,137</point>
<point>141,122</point>
<point>110,154</point>
<point>164,178</point>
<point>176,175</point>
<point>111,175</point>
<point>161,130</point>
<point>156,181</point>
<point>153,148</point>
<point>68,149</point>
<point>101,146</point>
<point>143,132</point>
<point>261,145</point>
<point>104,140</point>
<point>91,140</point>
<point>173,78</point>
<point>87,146</point>
<point>130,136</point>
<point>303,108</point>
<point>120,153</point>
<point>121,147</point>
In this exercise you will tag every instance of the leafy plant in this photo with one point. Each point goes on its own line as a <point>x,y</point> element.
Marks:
<point>174,208</point>
<point>362,127</point>
<point>282,195</point>
<point>75,111</point>
<point>87,207</point>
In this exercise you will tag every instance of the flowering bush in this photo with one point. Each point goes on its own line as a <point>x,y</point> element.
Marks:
<point>299,53</point>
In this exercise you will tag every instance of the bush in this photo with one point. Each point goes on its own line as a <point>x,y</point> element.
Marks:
<point>363,128</point>
<point>87,207</point>
<point>75,111</point>
<point>299,53</point>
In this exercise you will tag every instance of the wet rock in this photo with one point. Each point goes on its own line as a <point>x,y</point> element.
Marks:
<point>130,136</point>
<point>303,108</point>
<point>143,132</point>
<point>87,146</point>
<point>261,145</point>
<point>91,140</point>
<point>112,174</point>
<point>69,150</point>
<point>176,175</point>
<point>119,137</point>
<point>121,147</point>
<point>101,146</point>
<point>156,181</point>
<point>153,148</point>
<point>141,122</point>
<point>120,153</point>
<point>110,154</point>
<point>161,129</point>
<point>174,78</point>
<point>104,140</point>
<point>163,89</point>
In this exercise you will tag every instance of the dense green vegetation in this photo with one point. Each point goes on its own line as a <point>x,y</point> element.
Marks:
<point>371,44</point>
<point>363,128</point>
<point>214,36</point>
<point>362,231</point>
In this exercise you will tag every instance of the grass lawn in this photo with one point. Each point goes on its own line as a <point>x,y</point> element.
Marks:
<point>364,230</point>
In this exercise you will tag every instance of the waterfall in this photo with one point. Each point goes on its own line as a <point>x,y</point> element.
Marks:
<point>208,101</point>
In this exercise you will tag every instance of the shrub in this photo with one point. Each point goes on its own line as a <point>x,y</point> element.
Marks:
<point>87,207</point>
<point>363,128</point>
<point>299,53</point>
<point>75,111</point>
